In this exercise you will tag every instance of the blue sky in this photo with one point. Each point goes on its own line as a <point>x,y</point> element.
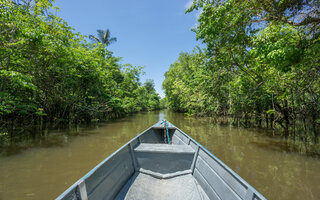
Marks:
<point>150,33</point>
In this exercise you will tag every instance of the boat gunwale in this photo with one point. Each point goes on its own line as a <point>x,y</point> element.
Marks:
<point>234,174</point>
<point>73,186</point>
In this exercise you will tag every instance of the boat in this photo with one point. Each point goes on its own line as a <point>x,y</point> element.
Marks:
<point>162,162</point>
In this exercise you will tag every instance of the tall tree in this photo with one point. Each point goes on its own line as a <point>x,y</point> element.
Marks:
<point>48,74</point>
<point>260,63</point>
<point>103,37</point>
<point>149,85</point>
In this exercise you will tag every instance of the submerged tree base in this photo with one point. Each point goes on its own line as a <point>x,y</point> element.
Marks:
<point>294,140</point>
<point>15,138</point>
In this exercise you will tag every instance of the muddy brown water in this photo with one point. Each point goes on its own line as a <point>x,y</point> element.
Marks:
<point>45,172</point>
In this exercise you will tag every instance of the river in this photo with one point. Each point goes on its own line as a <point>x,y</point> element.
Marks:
<point>45,171</point>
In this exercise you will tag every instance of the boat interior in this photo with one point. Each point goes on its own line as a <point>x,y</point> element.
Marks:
<point>155,166</point>
<point>164,171</point>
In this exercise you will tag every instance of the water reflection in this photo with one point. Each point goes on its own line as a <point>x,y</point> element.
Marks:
<point>45,170</point>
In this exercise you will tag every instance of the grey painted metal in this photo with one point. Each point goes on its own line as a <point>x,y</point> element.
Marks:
<point>249,194</point>
<point>219,186</point>
<point>164,163</point>
<point>147,168</point>
<point>70,193</point>
<point>161,126</point>
<point>133,156</point>
<point>181,187</point>
<point>123,192</point>
<point>83,190</point>
<point>164,176</point>
<point>205,185</point>
<point>194,159</point>
<point>111,176</point>
<point>229,171</point>
<point>164,148</point>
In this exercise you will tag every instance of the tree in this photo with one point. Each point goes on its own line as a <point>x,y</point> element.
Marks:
<point>149,85</point>
<point>260,64</point>
<point>103,37</point>
<point>49,74</point>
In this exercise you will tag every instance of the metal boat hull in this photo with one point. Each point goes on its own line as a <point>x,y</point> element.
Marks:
<point>148,168</point>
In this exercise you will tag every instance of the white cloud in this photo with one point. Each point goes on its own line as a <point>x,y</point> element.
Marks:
<point>188,4</point>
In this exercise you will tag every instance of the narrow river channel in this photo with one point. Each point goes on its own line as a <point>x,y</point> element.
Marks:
<point>45,172</point>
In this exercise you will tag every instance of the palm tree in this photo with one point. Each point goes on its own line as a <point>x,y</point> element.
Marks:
<point>103,37</point>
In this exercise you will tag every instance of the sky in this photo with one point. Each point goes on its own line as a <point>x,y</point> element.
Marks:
<point>150,33</point>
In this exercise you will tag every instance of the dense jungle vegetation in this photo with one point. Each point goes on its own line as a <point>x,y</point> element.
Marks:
<point>49,74</point>
<point>260,65</point>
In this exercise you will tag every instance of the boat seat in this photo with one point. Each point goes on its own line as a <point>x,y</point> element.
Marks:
<point>164,148</point>
<point>164,159</point>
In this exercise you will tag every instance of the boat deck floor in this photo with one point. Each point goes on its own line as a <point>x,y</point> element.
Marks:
<point>144,186</point>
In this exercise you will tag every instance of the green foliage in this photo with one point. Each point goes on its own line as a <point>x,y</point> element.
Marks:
<point>48,73</point>
<point>163,103</point>
<point>261,61</point>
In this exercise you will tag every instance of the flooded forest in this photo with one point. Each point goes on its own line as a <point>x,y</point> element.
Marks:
<point>250,93</point>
